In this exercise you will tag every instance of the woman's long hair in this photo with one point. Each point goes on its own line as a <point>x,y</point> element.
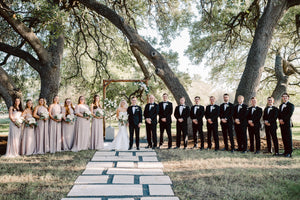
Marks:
<point>26,106</point>
<point>94,102</point>
<point>126,104</point>
<point>79,99</point>
<point>45,105</point>
<point>67,107</point>
<point>20,105</point>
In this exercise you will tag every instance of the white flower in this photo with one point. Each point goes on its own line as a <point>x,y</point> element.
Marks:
<point>58,116</point>
<point>70,118</point>
<point>19,121</point>
<point>44,115</point>
<point>30,122</point>
<point>123,119</point>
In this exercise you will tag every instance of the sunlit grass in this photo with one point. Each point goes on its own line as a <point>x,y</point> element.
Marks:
<point>48,176</point>
<point>223,175</point>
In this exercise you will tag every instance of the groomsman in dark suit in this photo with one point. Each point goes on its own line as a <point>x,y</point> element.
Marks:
<point>181,114</point>
<point>254,115</point>
<point>285,113</point>
<point>196,114</point>
<point>135,121</point>
<point>150,114</point>
<point>226,112</point>
<point>270,117</point>
<point>240,113</point>
<point>165,120</point>
<point>212,112</point>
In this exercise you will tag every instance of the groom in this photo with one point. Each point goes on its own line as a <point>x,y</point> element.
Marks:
<point>135,121</point>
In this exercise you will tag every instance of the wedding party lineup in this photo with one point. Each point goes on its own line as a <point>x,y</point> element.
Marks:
<point>57,128</point>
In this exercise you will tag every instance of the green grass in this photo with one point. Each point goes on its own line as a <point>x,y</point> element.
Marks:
<point>48,176</point>
<point>223,175</point>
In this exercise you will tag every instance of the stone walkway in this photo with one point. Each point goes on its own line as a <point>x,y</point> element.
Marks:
<point>123,175</point>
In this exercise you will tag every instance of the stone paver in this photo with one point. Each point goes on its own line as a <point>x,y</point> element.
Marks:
<point>99,165</point>
<point>150,159</point>
<point>123,175</point>
<point>155,180</point>
<point>123,179</point>
<point>161,190</point>
<point>106,190</point>
<point>125,164</point>
<point>150,165</point>
<point>91,179</point>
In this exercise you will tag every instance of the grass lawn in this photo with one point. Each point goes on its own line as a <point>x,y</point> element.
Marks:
<point>224,175</point>
<point>48,176</point>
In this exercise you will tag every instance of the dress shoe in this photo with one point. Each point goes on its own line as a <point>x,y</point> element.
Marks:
<point>138,148</point>
<point>201,149</point>
<point>195,147</point>
<point>216,149</point>
<point>288,155</point>
<point>148,146</point>
<point>244,151</point>
<point>207,149</point>
<point>257,152</point>
<point>176,147</point>
<point>232,150</point>
<point>169,147</point>
<point>276,154</point>
<point>184,148</point>
<point>154,147</point>
<point>223,149</point>
<point>129,148</point>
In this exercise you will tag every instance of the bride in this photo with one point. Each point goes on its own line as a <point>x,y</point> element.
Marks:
<point>121,142</point>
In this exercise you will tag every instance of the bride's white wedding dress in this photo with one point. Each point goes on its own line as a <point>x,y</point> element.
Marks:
<point>121,142</point>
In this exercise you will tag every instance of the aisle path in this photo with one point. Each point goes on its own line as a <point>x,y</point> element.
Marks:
<point>123,175</point>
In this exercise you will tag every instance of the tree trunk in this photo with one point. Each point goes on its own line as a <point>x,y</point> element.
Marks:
<point>250,80</point>
<point>282,80</point>
<point>162,68</point>
<point>8,90</point>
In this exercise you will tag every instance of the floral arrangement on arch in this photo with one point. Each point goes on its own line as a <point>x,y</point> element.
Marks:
<point>110,106</point>
<point>143,86</point>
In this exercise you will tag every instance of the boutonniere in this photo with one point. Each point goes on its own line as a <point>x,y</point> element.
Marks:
<point>137,109</point>
<point>226,105</point>
<point>213,108</point>
<point>283,105</point>
<point>183,107</point>
<point>197,107</point>
<point>254,109</point>
<point>271,108</point>
<point>240,106</point>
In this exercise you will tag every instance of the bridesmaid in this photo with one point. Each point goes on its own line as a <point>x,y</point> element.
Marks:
<point>28,139</point>
<point>97,125</point>
<point>42,132</point>
<point>55,125</point>
<point>82,126</point>
<point>15,130</point>
<point>68,126</point>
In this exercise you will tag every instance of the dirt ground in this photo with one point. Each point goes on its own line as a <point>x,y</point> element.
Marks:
<point>296,143</point>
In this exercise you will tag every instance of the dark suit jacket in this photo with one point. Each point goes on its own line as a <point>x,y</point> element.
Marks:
<point>199,114</point>
<point>137,117</point>
<point>272,116</point>
<point>151,113</point>
<point>286,113</point>
<point>255,117</point>
<point>184,115</point>
<point>167,113</point>
<point>214,114</point>
<point>242,115</point>
<point>228,113</point>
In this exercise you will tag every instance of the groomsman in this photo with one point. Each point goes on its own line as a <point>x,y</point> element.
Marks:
<point>165,113</point>
<point>196,114</point>
<point>226,112</point>
<point>150,114</point>
<point>135,120</point>
<point>212,112</point>
<point>270,117</point>
<point>240,113</point>
<point>254,115</point>
<point>181,114</point>
<point>285,113</point>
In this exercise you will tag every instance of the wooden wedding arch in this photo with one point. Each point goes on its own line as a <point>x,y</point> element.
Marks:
<point>109,81</point>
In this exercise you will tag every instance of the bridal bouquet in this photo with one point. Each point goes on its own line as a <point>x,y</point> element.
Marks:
<point>70,118</point>
<point>44,115</point>
<point>100,113</point>
<point>123,119</point>
<point>19,121</point>
<point>58,116</point>
<point>30,122</point>
<point>87,114</point>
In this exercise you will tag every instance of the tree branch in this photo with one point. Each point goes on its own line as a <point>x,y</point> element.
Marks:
<point>24,31</point>
<point>292,3</point>
<point>140,62</point>
<point>34,63</point>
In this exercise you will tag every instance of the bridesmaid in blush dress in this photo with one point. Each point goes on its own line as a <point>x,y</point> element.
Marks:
<point>82,126</point>
<point>41,131</point>
<point>68,125</point>
<point>55,126</point>
<point>28,139</point>
<point>97,125</point>
<point>15,130</point>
